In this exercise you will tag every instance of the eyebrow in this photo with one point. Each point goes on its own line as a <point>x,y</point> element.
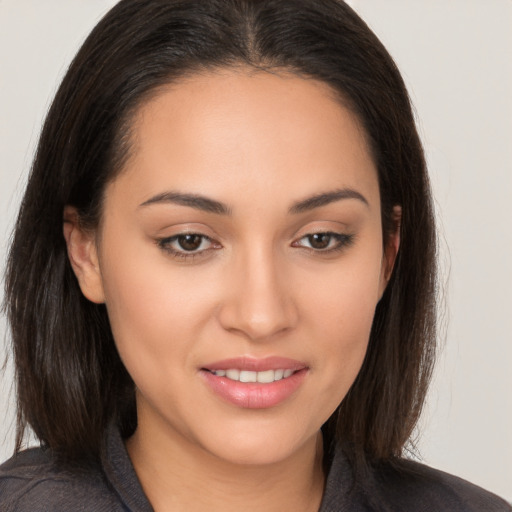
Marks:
<point>326,198</point>
<point>192,200</point>
<point>206,204</point>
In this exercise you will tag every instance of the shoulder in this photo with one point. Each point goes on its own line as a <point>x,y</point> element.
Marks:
<point>34,481</point>
<point>402,485</point>
<point>409,485</point>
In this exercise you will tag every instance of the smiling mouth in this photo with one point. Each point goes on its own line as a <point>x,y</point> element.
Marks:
<point>263,377</point>
<point>252,383</point>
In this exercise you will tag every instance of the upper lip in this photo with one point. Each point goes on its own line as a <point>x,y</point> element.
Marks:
<point>256,364</point>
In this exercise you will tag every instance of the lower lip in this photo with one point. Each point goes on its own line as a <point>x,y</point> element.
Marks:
<point>254,395</point>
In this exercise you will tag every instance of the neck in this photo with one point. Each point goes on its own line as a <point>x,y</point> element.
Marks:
<point>178,475</point>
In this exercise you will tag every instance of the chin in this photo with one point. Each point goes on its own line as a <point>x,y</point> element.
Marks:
<point>258,446</point>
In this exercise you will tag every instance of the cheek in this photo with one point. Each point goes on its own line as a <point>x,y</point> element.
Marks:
<point>155,308</point>
<point>341,311</point>
<point>344,299</point>
<point>343,338</point>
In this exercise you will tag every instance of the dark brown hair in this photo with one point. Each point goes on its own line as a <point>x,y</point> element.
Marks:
<point>70,381</point>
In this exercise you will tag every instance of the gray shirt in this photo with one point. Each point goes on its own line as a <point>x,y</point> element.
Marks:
<point>34,481</point>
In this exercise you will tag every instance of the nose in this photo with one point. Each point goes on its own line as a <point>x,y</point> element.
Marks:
<point>258,303</point>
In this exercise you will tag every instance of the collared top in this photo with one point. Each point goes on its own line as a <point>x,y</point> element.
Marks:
<point>34,481</point>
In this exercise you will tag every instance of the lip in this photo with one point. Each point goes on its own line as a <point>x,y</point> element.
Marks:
<point>255,395</point>
<point>256,365</point>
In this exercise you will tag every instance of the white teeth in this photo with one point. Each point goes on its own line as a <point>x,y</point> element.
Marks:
<point>265,377</point>
<point>278,374</point>
<point>233,374</point>
<point>246,376</point>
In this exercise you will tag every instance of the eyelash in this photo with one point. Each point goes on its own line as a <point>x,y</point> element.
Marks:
<point>342,241</point>
<point>165,244</point>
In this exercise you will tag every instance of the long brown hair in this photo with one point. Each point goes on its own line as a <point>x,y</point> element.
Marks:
<point>70,381</point>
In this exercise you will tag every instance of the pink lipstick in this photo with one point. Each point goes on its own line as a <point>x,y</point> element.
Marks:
<point>255,383</point>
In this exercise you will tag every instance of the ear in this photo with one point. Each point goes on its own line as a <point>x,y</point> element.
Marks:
<point>83,255</point>
<point>392,244</point>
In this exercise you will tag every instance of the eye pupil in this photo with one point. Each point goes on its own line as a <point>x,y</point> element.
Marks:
<point>319,240</point>
<point>189,242</point>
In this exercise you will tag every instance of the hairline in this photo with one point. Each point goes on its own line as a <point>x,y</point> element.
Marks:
<point>124,140</point>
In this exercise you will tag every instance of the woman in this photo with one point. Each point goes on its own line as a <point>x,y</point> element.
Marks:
<point>227,297</point>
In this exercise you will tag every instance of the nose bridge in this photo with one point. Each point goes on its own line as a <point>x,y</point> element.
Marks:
<point>258,303</point>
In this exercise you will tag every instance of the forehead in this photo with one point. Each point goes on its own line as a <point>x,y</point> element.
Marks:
<point>256,130</point>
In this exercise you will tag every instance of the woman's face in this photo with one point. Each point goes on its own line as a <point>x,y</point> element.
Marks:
<point>242,241</point>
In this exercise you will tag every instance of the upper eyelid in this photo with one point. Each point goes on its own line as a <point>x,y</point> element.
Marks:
<point>347,237</point>
<point>323,225</point>
<point>181,254</point>
<point>324,231</point>
<point>185,233</point>
<point>214,240</point>
<point>198,228</point>
<point>191,227</point>
<point>173,238</point>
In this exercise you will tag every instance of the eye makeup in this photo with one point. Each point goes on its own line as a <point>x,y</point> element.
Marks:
<point>188,246</point>
<point>191,245</point>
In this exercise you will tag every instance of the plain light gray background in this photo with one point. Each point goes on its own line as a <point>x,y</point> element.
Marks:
<point>456,58</point>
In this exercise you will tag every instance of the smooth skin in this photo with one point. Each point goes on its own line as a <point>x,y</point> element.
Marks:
<point>185,287</point>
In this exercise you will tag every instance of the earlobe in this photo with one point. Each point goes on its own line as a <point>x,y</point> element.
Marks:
<point>83,256</point>
<point>391,249</point>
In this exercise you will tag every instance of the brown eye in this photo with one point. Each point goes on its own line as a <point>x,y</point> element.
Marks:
<point>187,245</point>
<point>319,240</point>
<point>325,242</point>
<point>190,242</point>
